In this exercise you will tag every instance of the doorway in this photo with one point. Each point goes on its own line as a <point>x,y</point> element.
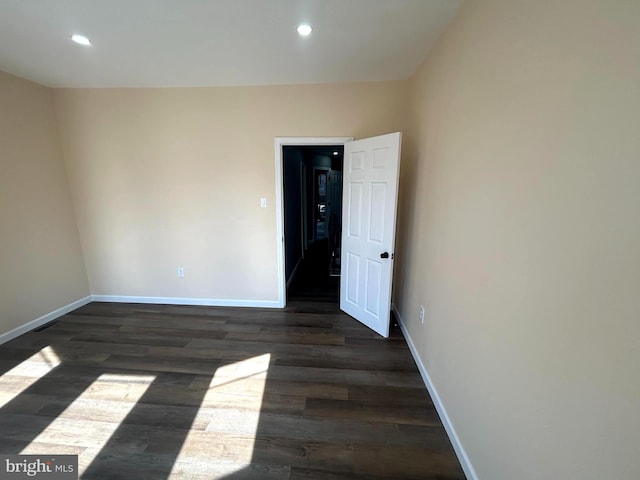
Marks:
<point>309,206</point>
<point>371,178</point>
<point>312,195</point>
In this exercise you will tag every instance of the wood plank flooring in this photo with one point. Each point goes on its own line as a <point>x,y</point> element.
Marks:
<point>157,392</point>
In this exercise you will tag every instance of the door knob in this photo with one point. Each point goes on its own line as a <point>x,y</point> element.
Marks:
<point>384,255</point>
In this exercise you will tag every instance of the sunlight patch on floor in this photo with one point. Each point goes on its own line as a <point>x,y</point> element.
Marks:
<point>22,376</point>
<point>80,426</point>
<point>236,390</point>
<point>239,383</point>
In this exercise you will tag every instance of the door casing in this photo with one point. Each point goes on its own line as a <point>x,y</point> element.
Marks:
<point>279,143</point>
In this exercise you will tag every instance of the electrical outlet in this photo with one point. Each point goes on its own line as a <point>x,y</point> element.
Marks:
<point>421,314</point>
<point>180,272</point>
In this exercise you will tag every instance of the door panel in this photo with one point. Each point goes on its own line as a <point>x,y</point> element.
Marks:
<point>376,221</point>
<point>354,210</point>
<point>373,285</point>
<point>369,209</point>
<point>353,281</point>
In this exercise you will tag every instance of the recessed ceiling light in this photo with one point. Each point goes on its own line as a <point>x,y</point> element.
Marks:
<point>304,30</point>
<point>81,39</point>
<point>335,153</point>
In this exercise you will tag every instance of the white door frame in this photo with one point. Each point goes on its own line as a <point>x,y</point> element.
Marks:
<point>279,143</point>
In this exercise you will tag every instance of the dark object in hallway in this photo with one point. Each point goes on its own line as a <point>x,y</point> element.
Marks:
<point>157,392</point>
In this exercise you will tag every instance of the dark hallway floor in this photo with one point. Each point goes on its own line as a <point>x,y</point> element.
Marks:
<point>312,281</point>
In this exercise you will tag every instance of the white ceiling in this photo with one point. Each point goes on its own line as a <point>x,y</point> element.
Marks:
<point>161,43</point>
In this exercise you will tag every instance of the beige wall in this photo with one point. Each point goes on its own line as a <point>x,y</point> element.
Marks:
<point>520,232</point>
<point>163,178</point>
<point>41,266</point>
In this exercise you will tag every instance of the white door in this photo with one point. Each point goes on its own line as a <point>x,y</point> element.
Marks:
<point>370,193</point>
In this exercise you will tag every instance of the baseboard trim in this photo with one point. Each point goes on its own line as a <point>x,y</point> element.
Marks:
<point>204,302</point>
<point>442,412</point>
<point>27,327</point>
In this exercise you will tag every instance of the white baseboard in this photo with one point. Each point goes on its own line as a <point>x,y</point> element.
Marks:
<point>295,270</point>
<point>205,302</point>
<point>448,426</point>
<point>27,327</point>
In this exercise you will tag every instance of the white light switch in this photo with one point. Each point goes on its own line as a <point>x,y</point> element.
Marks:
<point>263,202</point>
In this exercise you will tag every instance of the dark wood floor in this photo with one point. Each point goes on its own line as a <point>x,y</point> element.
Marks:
<point>156,392</point>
